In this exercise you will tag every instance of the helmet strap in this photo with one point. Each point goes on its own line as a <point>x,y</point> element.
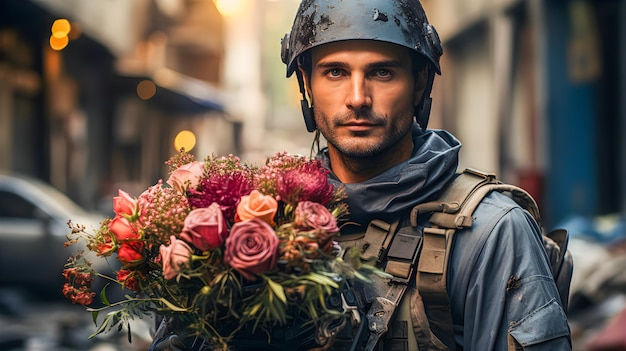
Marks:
<point>422,111</point>
<point>307,113</point>
<point>307,110</point>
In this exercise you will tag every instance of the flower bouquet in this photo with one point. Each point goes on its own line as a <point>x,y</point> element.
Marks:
<point>226,248</point>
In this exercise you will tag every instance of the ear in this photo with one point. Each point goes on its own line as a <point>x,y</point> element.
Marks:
<point>421,79</point>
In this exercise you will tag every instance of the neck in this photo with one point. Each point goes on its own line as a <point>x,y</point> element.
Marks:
<point>356,170</point>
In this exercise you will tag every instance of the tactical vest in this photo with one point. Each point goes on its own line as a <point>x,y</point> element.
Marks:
<point>405,253</point>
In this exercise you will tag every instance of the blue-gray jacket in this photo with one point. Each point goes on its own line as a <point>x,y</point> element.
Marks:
<point>503,245</point>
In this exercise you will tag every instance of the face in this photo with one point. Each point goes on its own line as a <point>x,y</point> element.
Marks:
<point>363,95</point>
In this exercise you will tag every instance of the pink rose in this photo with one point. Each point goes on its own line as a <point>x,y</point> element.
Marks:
<point>251,248</point>
<point>123,229</point>
<point>175,257</point>
<point>205,228</point>
<point>130,253</point>
<point>186,176</point>
<point>257,205</point>
<point>312,215</point>
<point>124,204</point>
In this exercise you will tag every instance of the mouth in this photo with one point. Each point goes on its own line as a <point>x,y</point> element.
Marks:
<point>360,126</point>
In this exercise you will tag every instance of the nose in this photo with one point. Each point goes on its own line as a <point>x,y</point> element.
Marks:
<point>359,97</point>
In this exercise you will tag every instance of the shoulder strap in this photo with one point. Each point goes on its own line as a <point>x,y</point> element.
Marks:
<point>453,210</point>
<point>457,203</point>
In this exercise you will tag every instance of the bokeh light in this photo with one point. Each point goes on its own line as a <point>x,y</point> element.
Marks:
<point>58,43</point>
<point>61,28</point>
<point>229,7</point>
<point>146,89</point>
<point>185,139</point>
<point>60,34</point>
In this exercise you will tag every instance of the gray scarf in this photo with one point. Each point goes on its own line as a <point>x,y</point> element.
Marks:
<point>394,192</point>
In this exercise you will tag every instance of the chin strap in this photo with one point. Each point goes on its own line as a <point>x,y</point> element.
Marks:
<point>307,111</point>
<point>422,111</point>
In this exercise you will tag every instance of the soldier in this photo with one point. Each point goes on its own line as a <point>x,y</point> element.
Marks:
<point>365,70</point>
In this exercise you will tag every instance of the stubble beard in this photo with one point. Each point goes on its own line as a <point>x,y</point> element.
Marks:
<point>356,149</point>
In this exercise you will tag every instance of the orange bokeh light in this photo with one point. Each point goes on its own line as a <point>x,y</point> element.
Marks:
<point>57,43</point>
<point>146,89</point>
<point>61,28</point>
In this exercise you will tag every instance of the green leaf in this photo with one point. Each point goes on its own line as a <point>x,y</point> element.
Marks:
<point>277,289</point>
<point>253,311</point>
<point>171,306</point>
<point>103,295</point>
<point>103,326</point>
<point>320,279</point>
<point>277,313</point>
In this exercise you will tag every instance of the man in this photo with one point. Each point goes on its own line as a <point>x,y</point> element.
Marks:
<point>365,69</point>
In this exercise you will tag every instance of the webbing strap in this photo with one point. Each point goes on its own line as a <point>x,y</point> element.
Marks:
<point>432,272</point>
<point>455,198</point>
<point>453,210</point>
<point>397,250</point>
<point>381,311</point>
<point>426,340</point>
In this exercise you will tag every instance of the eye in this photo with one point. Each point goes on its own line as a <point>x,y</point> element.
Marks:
<point>382,73</point>
<point>333,72</point>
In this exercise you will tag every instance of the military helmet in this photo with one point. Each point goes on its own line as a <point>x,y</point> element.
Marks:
<point>401,22</point>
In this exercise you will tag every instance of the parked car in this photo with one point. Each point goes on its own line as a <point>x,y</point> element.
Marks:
<point>33,229</point>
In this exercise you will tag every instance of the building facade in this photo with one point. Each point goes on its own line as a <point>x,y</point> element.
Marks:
<point>535,91</point>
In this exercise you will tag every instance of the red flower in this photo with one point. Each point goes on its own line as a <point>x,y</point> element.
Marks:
<point>78,278</point>
<point>123,229</point>
<point>129,253</point>
<point>226,190</point>
<point>81,295</point>
<point>306,182</point>
<point>128,279</point>
<point>105,247</point>
<point>69,273</point>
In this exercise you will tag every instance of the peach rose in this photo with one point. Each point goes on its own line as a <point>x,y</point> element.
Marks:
<point>186,176</point>
<point>205,228</point>
<point>124,204</point>
<point>251,248</point>
<point>257,205</point>
<point>175,257</point>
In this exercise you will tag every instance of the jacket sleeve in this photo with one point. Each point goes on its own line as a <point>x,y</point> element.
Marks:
<point>501,285</point>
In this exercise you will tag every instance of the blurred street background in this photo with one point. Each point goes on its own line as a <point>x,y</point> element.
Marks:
<point>96,94</point>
